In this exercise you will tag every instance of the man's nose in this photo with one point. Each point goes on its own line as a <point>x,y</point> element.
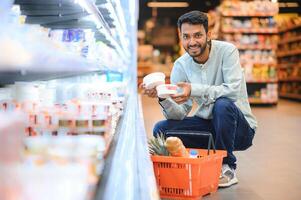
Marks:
<point>192,41</point>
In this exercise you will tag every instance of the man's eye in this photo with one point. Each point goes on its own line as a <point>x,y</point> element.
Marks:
<point>185,37</point>
<point>198,35</point>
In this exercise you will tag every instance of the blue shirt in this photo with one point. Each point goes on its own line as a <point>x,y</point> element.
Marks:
<point>220,76</point>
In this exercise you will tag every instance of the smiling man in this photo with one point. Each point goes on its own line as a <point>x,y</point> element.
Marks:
<point>209,74</point>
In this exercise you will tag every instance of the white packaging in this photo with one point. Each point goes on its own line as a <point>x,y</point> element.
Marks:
<point>153,80</point>
<point>165,90</point>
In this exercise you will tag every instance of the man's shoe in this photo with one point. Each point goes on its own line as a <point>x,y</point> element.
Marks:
<point>228,177</point>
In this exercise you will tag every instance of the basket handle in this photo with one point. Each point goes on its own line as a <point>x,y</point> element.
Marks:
<point>195,133</point>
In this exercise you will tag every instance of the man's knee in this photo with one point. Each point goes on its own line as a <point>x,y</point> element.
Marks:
<point>159,128</point>
<point>222,106</point>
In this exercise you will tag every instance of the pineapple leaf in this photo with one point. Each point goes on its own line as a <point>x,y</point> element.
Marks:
<point>156,145</point>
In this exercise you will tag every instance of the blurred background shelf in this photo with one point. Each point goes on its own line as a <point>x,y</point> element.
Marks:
<point>289,53</point>
<point>251,30</point>
<point>256,101</point>
<point>291,96</point>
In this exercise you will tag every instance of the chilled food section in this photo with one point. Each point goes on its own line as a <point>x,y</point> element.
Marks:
<point>68,102</point>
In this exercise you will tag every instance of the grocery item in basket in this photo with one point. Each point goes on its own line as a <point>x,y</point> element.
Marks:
<point>175,147</point>
<point>156,146</point>
<point>165,90</point>
<point>154,79</point>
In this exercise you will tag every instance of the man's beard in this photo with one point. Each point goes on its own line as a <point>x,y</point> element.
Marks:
<point>202,49</point>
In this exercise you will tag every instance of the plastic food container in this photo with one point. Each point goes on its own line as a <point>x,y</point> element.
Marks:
<point>165,90</point>
<point>154,79</point>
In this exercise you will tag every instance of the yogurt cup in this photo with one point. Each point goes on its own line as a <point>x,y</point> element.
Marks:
<point>165,90</point>
<point>153,80</point>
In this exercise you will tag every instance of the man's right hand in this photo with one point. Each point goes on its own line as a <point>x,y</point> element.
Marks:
<point>152,93</point>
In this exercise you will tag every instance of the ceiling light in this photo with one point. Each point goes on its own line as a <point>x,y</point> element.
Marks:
<point>167,4</point>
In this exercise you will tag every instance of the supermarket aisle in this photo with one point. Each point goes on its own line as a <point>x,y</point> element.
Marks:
<point>271,169</point>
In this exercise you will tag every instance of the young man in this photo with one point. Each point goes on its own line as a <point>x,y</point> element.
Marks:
<point>210,74</point>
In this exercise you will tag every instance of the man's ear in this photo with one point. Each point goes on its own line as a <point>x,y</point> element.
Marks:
<point>179,33</point>
<point>209,36</point>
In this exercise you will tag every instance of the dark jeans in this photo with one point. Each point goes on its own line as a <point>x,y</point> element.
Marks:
<point>229,128</point>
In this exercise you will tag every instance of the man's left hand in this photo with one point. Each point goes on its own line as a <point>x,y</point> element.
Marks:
<point>184,95</point>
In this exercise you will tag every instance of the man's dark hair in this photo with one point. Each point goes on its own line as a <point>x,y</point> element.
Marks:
<point>194,17</point>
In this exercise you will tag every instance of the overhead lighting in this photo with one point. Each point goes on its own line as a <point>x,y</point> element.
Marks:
<point>289,5</point>
<point>167,4</point>
<point>274,1</point>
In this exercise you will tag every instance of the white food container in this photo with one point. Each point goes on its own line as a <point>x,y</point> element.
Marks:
<point>154,79</point>
<point>165,90</point>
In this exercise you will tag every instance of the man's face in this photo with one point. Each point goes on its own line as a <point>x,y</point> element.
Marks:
<point>194,39</point>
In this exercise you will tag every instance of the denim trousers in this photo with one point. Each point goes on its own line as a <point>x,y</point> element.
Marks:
<point>228,126</point>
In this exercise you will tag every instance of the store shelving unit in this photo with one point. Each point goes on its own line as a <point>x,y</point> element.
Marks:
<point>289,58</point>
<point>114,23</point>
<point>251,27</point>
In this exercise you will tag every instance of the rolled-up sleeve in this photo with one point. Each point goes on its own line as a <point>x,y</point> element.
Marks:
<point>172,110</point>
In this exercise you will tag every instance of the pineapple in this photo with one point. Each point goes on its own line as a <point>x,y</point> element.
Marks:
<point>156,146</point>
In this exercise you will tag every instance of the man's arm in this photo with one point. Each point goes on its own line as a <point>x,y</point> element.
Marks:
<point>172,110</point>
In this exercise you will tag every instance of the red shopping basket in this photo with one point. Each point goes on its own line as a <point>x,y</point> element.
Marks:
<point>188,178</point>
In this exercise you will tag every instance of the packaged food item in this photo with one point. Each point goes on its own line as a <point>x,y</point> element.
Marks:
<point>153,80</point>
<point>175,147</point>
<point>193,153</point>
<point>165,90</point>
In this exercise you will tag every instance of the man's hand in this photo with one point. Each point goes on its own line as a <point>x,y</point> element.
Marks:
<point>184,95</point>
<point>152,93</point>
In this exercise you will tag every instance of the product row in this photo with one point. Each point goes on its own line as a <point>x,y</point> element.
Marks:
<point>290,73</point>
<point>290,36</point>
<point>293,60</point>
<point>259,41</point>
<point>288,23</point>
<point>289,47</point>
<point>291,88</point>
<point>72,110</point>
<point>266,94</point>
<point>258,56</point>
<point>259,73</point>
<point>245,8</point>
<point>248,23</point>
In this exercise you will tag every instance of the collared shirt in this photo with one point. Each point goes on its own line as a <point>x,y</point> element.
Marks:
<point>220,76</point>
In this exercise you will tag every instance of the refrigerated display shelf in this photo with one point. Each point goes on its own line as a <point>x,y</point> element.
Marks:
<point>58,14</point>
<point>11,77</point>
<point>250,30</point>
<point>290,96</point>
<point>290,40</point>
<point>127,160</point>
<point>289,53</point>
